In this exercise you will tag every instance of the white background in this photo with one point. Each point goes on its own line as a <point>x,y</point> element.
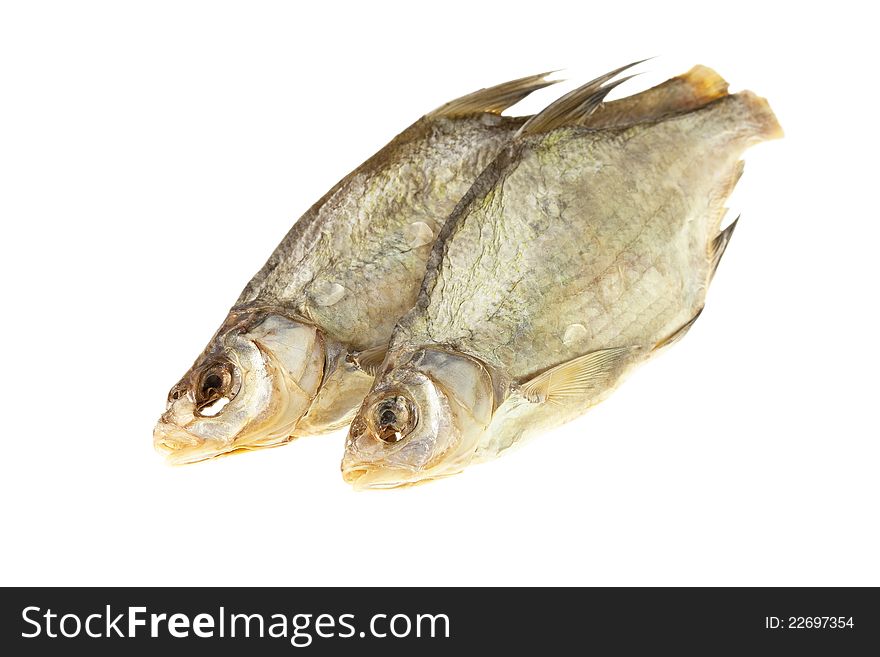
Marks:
<point>152,155</point>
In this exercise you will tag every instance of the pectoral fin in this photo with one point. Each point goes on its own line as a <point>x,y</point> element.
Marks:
<point>578,377</point>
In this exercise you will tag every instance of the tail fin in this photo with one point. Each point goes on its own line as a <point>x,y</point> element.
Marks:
<point>699,86</point>
<point>494,100</point>
<point>574,107</point>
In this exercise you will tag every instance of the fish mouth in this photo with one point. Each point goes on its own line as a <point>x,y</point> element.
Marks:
<point>180,447</point>
<point>169,438</point>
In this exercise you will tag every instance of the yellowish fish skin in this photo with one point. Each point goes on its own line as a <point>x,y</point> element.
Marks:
<point>576,255</point>
<point>296,353</point>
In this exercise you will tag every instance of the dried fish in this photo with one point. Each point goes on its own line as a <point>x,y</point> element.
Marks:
<point>296,353</point>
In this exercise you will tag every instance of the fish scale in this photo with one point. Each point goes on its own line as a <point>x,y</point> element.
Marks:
<point>477,304</point>
<point>361,244</point>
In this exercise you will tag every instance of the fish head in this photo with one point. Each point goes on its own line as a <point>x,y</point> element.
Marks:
<point>422,420</point>
<point>247,390</point>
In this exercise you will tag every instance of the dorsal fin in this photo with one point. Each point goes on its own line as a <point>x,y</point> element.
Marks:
<point>494,100</point>
<point>575,106</point>
<point>719,244</point>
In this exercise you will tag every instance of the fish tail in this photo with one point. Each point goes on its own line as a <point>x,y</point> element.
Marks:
<point>704,83</point>
<point>683,93</point>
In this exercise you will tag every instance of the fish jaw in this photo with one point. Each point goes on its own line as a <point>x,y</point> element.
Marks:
<point>364,477</point>
<point>363,474</point>
<point>181,447</point>
<point>365,466</point>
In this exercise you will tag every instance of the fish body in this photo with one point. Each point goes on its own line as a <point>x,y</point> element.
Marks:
<point>580,252</point>
<point>296,353</point>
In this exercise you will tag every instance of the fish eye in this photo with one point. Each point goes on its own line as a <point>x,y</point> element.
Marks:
<point>213,389</point>
<point>393,418</point>
<point>211,383</point>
